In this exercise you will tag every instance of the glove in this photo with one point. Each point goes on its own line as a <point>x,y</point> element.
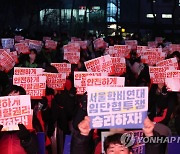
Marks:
<point>23,133</point>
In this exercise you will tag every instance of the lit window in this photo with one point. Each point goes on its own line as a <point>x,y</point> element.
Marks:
<point>112,7</point>
<point>167,16</point>
<point>150,15</point>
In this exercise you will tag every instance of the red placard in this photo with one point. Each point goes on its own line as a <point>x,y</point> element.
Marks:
<point>80,80</point>
<point>25,41</point>
<point>105,81</point>
<point>169,63</point>
<point>39,43</point>
<point>50,44</point>
<point>141,49</point>
<point>34,85</point>
<point>18,38</point>
<point>63,68</point>
<point>22,48</point>
<point>120,51</point>
<point>55,80</point>
<point>172,80</point>
<point>28,71</point>
<point>100,64</point>
<point>174,47</point>
<point>6,61</point>
<point>72,57</point>
<point>157,74</point>
<point>15,110</point>
<point>119,65</point>
<point>72,47</point>
<point>83,44</point>
<point>14,56</point>
<point>151,56</point>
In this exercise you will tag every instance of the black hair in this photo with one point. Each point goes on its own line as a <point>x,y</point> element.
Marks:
<point>51,69</point>
<point>34,50</point>
<point>16,89</point>
<point>116,139</point>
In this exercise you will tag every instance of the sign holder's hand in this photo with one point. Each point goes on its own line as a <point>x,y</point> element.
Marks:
<point>84,126</point>
<point>23,134</point>
<point>148,127</point>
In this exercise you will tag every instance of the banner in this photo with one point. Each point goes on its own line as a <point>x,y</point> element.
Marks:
<point>100,64</point>
<point>50,44</point>
<point>169,63</point>
<point>7,43</point>
<point>35,86</point>
<point>71,47</point>
<point>172,80</point>
<point>119,65</point>
<point>18,38</point>
<point>55,80</point>
<point>117,107</point>
<point>105,81</point>
<point>72,57</point>
<point>15,110</point>
<point>6,61</point>
<point>22,48</point>
<point>63,68</point>
<point>80,80</point>
<point>132,43</point>
<point>28,71</point>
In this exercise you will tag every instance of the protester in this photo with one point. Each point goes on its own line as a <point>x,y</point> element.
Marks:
<point>113,144</point>
<point>67,109</point>
<point>29,60</point>
<point>161,103</point>
<point>22,141</point>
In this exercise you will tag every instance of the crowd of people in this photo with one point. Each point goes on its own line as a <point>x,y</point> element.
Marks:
<point>67,111</point>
